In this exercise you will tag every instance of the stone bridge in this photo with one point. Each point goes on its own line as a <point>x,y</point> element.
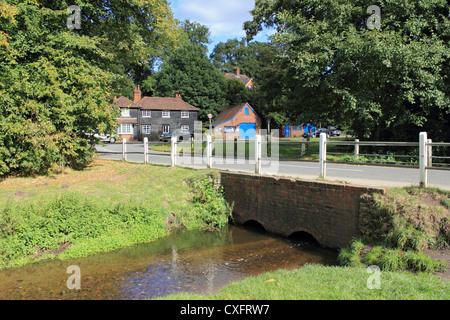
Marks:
<point>327,211</point>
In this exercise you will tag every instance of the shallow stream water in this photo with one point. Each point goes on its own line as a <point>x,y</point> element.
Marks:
<point>196,262</point>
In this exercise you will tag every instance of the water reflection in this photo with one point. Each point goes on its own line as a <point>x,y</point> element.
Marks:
<point>197,262</point>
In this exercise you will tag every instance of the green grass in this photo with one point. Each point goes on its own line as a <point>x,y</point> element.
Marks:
<point>315,282</point>
<point>107,206</point>
<point>109,182</point>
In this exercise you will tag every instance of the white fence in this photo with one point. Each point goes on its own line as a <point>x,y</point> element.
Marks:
<point>256,145</point>
<point>425,153</point>
<point>209,152</point>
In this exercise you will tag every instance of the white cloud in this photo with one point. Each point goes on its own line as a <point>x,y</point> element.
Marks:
<point>224,18</point>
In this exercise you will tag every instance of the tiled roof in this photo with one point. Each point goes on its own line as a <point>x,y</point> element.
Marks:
<point>227,114</point>
<point>241,77</point>
<point>124,102</point>
<point>158,103</point>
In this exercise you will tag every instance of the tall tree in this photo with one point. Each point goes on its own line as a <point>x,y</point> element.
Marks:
<point>237,53</point>
<point>188,70</point>
<point>56,84</point>
<point>389,82</point>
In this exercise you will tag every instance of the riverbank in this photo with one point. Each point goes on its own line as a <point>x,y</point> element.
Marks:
<point>114,204</point>
<point>316,282</point>
<point>108,205</point>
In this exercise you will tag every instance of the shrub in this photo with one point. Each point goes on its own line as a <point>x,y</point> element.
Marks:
<point>391,260</point>
<point>210,206</point>
<point>372,257</point>
<point>358,255</point>
<point>420,262</point>
<point>351,256</point>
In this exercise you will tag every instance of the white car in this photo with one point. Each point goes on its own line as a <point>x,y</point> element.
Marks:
<point>105,137</point>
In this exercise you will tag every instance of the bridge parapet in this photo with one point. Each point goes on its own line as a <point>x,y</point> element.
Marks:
<point>328,211</point>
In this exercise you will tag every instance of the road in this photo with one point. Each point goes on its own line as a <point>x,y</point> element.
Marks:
<point>355,174</point>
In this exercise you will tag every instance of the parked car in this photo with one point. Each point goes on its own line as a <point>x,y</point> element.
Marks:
<point>334,132</point>
<point>181,135</point>
<point>316,133</point>
<point>103,137</point>
<point>351,132</point>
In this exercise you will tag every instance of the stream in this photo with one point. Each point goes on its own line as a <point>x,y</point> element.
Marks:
<point>184,261</point>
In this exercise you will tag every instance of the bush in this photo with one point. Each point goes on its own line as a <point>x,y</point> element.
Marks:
<point>210,207</point>
<point>34,230</point>
<point>372,257</point>
<point>392,260</point>
<point>358,255</point>
<point>351,256</point>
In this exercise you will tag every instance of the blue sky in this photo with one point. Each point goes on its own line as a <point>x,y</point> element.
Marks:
<point>224,18</point>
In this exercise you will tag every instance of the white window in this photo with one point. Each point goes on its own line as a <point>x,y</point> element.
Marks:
<point>125,112</point>
<point>146,113</point>
<point>147,129</point>
<point>125,128</point>
<point>229,129</point>
<point>184,127</point>
<point>166,128</point>
<point>185,114</point>
<point>166,114</point>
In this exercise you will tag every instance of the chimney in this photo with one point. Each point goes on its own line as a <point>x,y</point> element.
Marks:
<point>137,94</point>
<point>237,71</point>
<point>178,96</point>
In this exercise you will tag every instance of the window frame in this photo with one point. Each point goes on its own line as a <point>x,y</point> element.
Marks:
<point>147,126</point>
<point>186,116</point>
<point>167,114</point>
<point>125,125</point>
<point>168,128</point>
<point>229,129</point>
<point>125,112</point>
<point>148,112</point>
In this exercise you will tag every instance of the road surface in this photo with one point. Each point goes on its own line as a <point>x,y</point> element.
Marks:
<point>356,174</point>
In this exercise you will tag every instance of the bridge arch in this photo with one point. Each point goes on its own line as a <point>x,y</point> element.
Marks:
<point>254,225</point>
<point>304,236</point>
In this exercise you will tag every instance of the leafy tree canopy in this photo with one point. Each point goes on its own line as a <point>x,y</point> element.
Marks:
<point>388,83</point>
<point>56,84</point>
<point>188,70</point>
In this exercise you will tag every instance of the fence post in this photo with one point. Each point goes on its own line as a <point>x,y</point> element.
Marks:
<point>173,150</point>
<point>258,154</point>
<point>302,149</point>
<point>356,149</point>
<point>322,155</point>
<point>145,150</point>
<point>124,149</point>
<point>423,158</point>
<point>430,154</point>
<point>209,151</point>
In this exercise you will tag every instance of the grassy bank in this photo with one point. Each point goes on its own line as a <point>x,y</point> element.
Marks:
<point>315,282</point>
<point>397,227</point>
<point>114,204</point>
<point>109,205</point>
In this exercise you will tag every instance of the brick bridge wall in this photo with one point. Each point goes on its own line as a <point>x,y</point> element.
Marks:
<point>327,211</point>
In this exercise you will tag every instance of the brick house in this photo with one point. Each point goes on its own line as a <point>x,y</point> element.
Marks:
<point>236,74</point>
<point>151,116</point>
<point>239,121</point>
